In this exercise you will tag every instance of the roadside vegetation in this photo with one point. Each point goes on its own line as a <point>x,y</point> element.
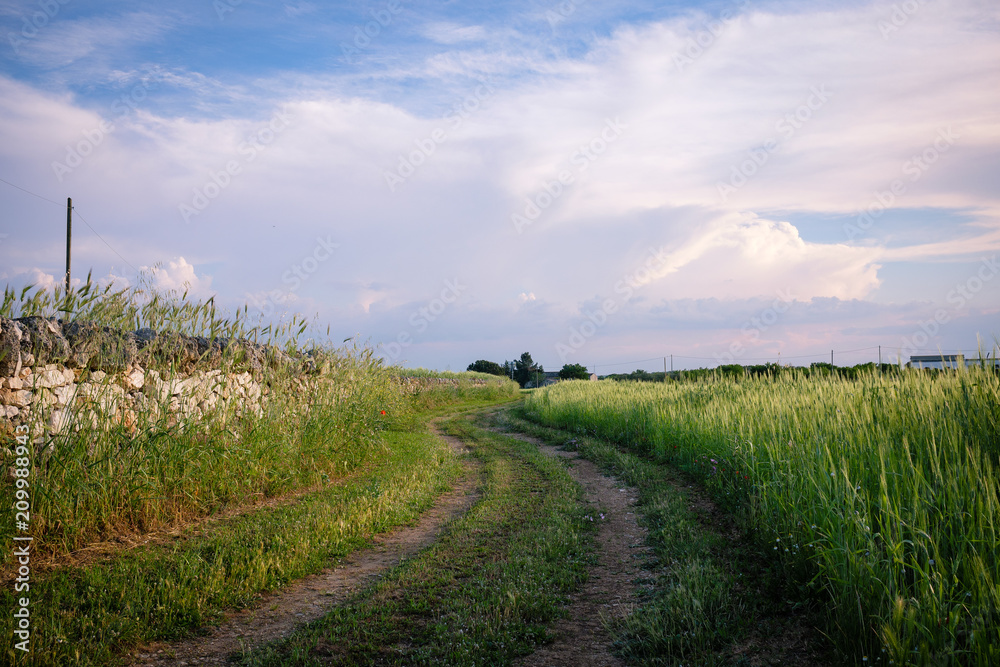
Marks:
<point>716,599</point>
<point>485,592</point>
<point>879,496</point>
<point>221,508</point>
<point>101,479</point>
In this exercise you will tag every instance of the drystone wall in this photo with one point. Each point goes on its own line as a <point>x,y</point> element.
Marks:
<point>56,376</point>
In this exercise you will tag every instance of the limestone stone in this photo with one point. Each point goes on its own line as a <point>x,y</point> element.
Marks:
<point>18,398</point>
<point>49,378</point>
<point>135,379</point>
<point>43,338</point>
<point>10,346</point>
<point>64,395</point>
<point>58,420</point>
<point>100,347</point>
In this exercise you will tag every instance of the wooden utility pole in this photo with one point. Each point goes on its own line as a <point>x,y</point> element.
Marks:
<point>69,241</point>
<point>665,367</point>
<point>831,357</point>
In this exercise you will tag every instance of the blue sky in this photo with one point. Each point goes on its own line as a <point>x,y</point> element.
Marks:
<point>597,183</point>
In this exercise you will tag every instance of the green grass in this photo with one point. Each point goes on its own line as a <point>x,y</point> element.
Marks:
<point>353,438</point>
<point>715,600</point>
<point>448,375</point>
<point>104,479</point>
<point>87,616</point>
<point>879,495</point>
<point>484,593</point>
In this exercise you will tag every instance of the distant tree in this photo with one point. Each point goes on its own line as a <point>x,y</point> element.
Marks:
<point>574,372</point>
<point>483,366</point>
<point>525,370</point>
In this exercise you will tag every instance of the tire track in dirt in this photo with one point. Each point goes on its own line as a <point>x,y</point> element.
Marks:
<point>609,593</point>
<point>278,614</point>
<point>782,636</point>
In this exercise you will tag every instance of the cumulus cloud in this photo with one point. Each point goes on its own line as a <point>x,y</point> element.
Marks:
<point>754,256</point>
<point>180,276</point>
<point>34,276</point>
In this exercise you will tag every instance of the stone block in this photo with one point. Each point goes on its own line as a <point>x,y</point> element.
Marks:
<point>135,379</point>
<point>19,398</point>
<point>64,395</point>
<point>49,378</point>
<point>58,420</point>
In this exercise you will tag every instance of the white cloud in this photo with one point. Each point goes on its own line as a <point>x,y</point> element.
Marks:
<point>687,129</point>
<point>34,276</point>
<point>65,42</point>
<point>180,276</point>
<point>655,185</point>
<point>752,257</point>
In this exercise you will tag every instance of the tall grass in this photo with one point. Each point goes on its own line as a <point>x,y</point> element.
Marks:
<point>880,494</point>
<point>103,478</point>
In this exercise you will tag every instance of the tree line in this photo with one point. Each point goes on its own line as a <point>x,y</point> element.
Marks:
<point>525,370</point>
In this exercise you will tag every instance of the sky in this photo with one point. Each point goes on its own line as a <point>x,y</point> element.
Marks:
<point>604,183</point>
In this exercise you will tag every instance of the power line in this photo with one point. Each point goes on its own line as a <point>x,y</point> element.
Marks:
<point>30,192</point>
<point>33,194</point>
<point>105,242</point>
<point>773,357</point>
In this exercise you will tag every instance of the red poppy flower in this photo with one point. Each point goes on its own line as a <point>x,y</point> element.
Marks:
<point>383,412</point>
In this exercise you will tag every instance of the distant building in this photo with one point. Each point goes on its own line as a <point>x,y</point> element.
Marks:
<point>942,361</point>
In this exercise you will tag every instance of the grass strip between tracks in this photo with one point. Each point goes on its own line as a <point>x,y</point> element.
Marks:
<point>485,592</point>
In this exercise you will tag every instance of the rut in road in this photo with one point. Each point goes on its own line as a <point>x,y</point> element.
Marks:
<point>278,614</point>
<point>581,639</point>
